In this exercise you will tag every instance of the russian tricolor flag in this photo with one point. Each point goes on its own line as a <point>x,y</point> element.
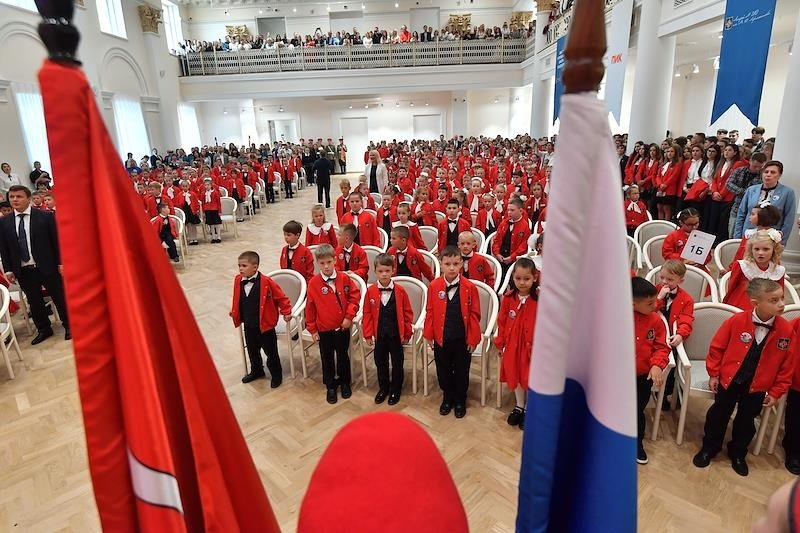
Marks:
<point>579,448</point>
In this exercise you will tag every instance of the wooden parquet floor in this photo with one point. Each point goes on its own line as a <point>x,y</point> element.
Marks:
<point>44,481</point>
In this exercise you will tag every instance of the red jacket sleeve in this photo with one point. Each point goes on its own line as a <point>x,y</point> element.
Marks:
<point>660,355</point>
<point>669,249</point>
<point>279,297</point>
<point>362,269</point>
<point>783,379</point>
<point>368,321</point>
<point>309,265</point>
<point>408,314</point>
<point>685,321</point>
<point>500,338</point>
<point>311,313</point>
<point>474,332</point>
<point>353,299</point>
<point>719,345</point>
<point>427,331</point>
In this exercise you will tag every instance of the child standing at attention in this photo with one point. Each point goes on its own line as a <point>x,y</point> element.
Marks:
<point>350,257</point>
<point>673,245</point>
<point>388,317</point>
<point>294,255</point>
<point>762,258</point>
<point>167,232</point>
<point>516,323</point>
<point>750,365</point>
<point>635,210</point>
<point>652,352</point>
<point>342,203</point>
<point>257,301</point>
<point>453,330</point>
<point>332,303</point>
<point>410,262</point>
<point>212,205</point>
<point>452,225</point>
<point>320,231</point>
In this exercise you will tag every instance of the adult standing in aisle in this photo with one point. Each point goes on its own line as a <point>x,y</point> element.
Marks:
<point>376,173</point>
<point>322,174</point>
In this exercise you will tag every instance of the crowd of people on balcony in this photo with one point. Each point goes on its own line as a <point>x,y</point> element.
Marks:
<point>369,38</point>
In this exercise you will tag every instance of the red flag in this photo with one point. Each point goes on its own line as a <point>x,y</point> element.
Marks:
<point>165,451</point>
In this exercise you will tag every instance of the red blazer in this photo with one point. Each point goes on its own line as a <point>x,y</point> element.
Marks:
<point>633,219</point>
<point>461,225</point>
<point>519,240</point>
<point>721,179</point>
<point>651,342</point>
<point>681,312</point>
<point>796,377</point>
<point>367,228</point>
<point>672,248</point>
<point>731,343</point>
<point>359,262</point>
<point>286,171</point>
<point>193,201</point>
<point>631,169</point>
<point>647,174</point>
<point>482,220</point>
<point>326,312</point>
<point>392,216</point>
<point>215,204</point>
<point>415,237</point>
<point>271,302</point>
<point>152,208</point>
<point>230,181</point>
<point>342,207</point>
<point>737,287</point>
<point>372,306</point>
<point>478,269</point>
<point>302,261</point>
<point>416,263</point>
<point>324,235</point>
<point>436,306</point>
<point>671,179</point>
<point>515,330</point>
<point>426,215</point>
<point>440,205</point>
<point>157,223</point>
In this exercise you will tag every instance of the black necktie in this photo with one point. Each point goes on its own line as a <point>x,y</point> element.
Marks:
<point>22,235</point>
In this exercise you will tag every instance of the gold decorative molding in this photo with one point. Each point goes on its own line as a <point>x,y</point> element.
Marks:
<point>237,31</point>
<point>547,5</point>
<point>149,17</point>
<point>521,18</point>
<point>460,22</point>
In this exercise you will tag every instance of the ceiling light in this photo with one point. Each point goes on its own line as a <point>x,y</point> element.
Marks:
<point>716,63</point>
<point>366,106</point>
<point>397,104</point>
<point>412,104</point>
<point>496,100</point>
<point>294,10</point>
<point>260,11</point>
<point>363,6</point>
<point>350,106</point>
<point>224,111</point>
<point>396,5</point>
<point>328,8</point>
<point>677,74</point>
<point>695,69</point>
<point>427,104</point>
<point>280,109</point>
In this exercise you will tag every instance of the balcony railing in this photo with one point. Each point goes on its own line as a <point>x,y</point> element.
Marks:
<point>356,57</point>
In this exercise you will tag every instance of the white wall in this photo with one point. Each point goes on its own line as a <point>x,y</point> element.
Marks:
<point>487,117</point>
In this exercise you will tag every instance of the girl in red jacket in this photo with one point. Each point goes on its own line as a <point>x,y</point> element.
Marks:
<point>319,231</point>
<point>762,259</point>
<point>516,323</point>
<point>188,202</point>
<point>404,219</point>
<point>422,210</point>
<point>667,182</point>
<point>212,205</point>
<point>673,245</point>
<point>635,210</point>
<point>646,173</point>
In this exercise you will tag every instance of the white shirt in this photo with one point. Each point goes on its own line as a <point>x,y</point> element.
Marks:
<point>355,217</point>
<point>385,295</point>
<point>331,282</point>
<point>27,223</point>
<point>401,255</point>
<point>7,180</point>
<point>290,250</point>
<point>760,331</point>
<point>466,261</point>
<point>249,286</point>
<point>451,291</point>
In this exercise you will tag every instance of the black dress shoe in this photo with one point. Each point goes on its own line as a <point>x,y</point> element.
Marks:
<point>252,376</point>
<point>380,397</point>
<point>460,411</point>
<point>739,466</point>
<point>67,335</point>
<point>792,464</point>
<point>516,416</point>
<point>41,336</point>
<point>394,398</point>
<point>702,459</point>
<point>445,409</point>
<point>346,391</point>
<point>295,337</point>
<point>275,383</point>
<point>330,396</point>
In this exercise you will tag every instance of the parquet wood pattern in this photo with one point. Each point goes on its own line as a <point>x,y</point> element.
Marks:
<point>44,481</point>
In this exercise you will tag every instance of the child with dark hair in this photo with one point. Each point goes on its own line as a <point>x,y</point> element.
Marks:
<point>294,255</point>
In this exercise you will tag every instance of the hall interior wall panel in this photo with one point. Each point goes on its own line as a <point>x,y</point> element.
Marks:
<point>427,126</point>
<point>307,25</point>
<point>489,17</point>
<point>273,25</point>
<point>355,131</point>
<point>424,16</point>
<point>386,21</point>
<point>215,29</point>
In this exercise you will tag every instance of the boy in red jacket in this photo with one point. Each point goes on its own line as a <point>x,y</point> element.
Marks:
<point>363,222</point>
<point>167,232</point>
<point>453,330</point>
<point>750,365</point>
<point>452,226</point>
<point>257,300</point>
<point>294,255</point>
<point>388,318</point>
<point>652,352</point>
<point>677,307</point>
<point>410,262</point>
<point>349,255</point>
<point>511,239</point>
<point>476,267</point>
<point>331,304</point>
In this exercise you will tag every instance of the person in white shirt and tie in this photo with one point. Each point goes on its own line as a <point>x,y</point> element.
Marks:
<point>8,179</point>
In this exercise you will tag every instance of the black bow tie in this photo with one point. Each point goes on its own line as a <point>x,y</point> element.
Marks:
<point>330,280</point>
<point>453,286</point>
<point>354,213</point>
<point>466,257</point>
<point>762,325</point>
<point>385,289</point>
<point>246,281</point>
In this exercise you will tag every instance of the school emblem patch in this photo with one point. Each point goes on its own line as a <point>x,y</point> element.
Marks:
<point>442,295</point>
<point>651,334</point>
<point>341,256</point>
<point>302,259</point>
<point>745,337</point>
<point>512,314</point>
<point>347,288</point>
<point>479,268</point>
<point>325,290</point>
<point>783,344</point>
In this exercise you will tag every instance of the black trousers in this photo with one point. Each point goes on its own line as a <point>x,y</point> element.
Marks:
<point>309,174</point>
<point>452,370</point>
<point>258,340</point>
<point>335,370</point>
<point>384,347</point>
<point>343,166</point>
<point>747,405</point>
<point>270,193</point>
<point>287,185</point>
<point>172,249</point>
<point>643,387</point>
<point>324,187</point>
<point>791,437</point>
<point>718,215</point>
<point>31,280</point>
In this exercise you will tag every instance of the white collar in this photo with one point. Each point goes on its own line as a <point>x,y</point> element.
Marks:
<point>331,278</point>
<point>389,286</point>
<point>253,277</point>
<point>348,250</point>
<point>751,270</point>
<point>293,247</point>
<point>26,212</point>
<point>451,283</point>
<point>767,322</point>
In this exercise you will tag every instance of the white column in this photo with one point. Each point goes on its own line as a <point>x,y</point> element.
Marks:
<point>655,60</point>
<point>541,89</point>
<point>165,70</point>
<point>786,141</point>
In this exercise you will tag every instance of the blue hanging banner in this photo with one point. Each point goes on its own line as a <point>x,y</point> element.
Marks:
<point>559,88</point>
<point>743,57</point>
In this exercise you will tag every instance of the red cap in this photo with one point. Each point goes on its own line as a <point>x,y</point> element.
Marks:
<point>382,472</point>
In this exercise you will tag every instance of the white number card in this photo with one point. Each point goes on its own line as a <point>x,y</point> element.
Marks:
<point>698,246</point>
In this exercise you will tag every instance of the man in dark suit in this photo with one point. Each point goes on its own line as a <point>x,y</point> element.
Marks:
<point>623,159</point>
<point>30,255</point>
<point>322,175</point>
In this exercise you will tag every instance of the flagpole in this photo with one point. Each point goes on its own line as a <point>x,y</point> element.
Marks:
<point>586,46</point>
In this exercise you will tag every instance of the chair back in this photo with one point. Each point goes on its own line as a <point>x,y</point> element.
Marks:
<point>790,293</point>
<point>652,228</point>
<point>376,196</point>
<point>652,252</point>
<point>496,268</point>
<point>723,285</point>
<point>432,262</point>
<point>487,244</point>
<point>695,283</point>
<point>178,223</point>
<point>708,317</point>
<point>362,287</point>
<point>384,239</point>
<point>634,253</point>
<point>430,236</point>
<point>479,238</point>
<point>293,284</point>
<point>223,192</point>
<point>489,307</point>
<point>417,294</point>
<point>228,206</point>
<point>725,252</point>
<point>790,312</point>
<point>372,253</point>
<point>180,214</point>
<point>408,198</point>
<point>439,216</point>
<point>5,300</point>
<point>249,191</point>
<point>311,248</point>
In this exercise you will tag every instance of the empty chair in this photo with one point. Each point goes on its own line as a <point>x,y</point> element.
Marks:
<point>372,253</point>
<point>8,339</point>
<point>725,252</point>
<point>430,236</point>
<point>376,196</point>
<point>223,192</point>
<point>228,214</point>
<point>479,237</point>
<point>653,228</point>
<point>248,201</point>
<point>695,283</point>
<point>184,241</point>
<point>433,263</point>
<point>439,216</point>
<point>652,252</point>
